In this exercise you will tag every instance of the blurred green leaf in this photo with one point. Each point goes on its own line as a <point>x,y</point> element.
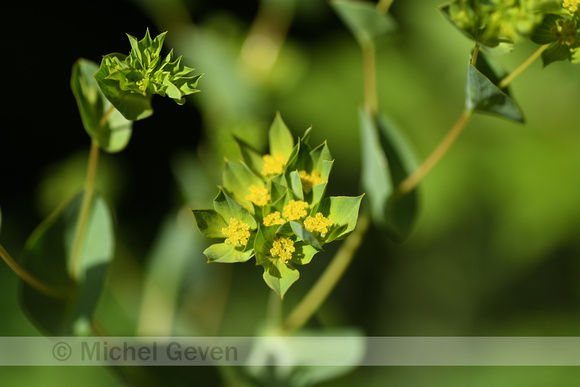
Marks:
<point>482,94</point>
<point>363,19</point>
<point>46,256</point>
<point>387,161</point>
<point>558,52</point>
<point>110,129</point>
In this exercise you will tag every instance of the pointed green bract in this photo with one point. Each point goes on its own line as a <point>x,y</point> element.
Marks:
<point>130,82</point>
<point>237,179</point>
<point>281,139</point>
<point>210,223</point>
<point>363,19</point>
<point>277,275</point>
<point>105,126</point>
<point>46,256</point>
<point>482,93</point>
<point>223,252</point>
<point>229,208</point>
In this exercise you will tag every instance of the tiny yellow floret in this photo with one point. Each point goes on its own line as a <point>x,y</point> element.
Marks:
<point>295,209</point>
<point>273,165</point>
<point>571,5</point>
<point>283,248</point>
<point>318,223</point>
<point>309,180</point>
<point>237,233</point>
<point>273,219</point>
<point>258,195</point>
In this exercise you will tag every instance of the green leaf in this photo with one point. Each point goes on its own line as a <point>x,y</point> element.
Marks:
<point>557,52</point>
<point>237,179</point>
<point>133,106</point>
<point>228,208</point>
<point>210,223</point>
<point>109,128</point>
<point>252,158</point>
<point>280,137</point>
<point>303,234</point>
<point>544,32</point>
<point>482,94</point>
<point>278,276</point>
<point>363,20</point>
<point>225,253</point>
<point>387,161</point>
<point>47,256</point>
<point>343,211</point>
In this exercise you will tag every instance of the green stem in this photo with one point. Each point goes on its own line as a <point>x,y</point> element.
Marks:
<point>85,208</point>
<point>328,280</point>
<point>520,69</point>
<point>419,174</point>
<point>370,79</point>
<point>27,277</point>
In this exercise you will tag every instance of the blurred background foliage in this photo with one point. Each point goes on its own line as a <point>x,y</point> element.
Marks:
<point>496,247</point>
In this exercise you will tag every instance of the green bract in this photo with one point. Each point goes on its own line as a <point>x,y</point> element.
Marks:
<point>561,33</point>
<point>129,82</point>
<point>273,207</point>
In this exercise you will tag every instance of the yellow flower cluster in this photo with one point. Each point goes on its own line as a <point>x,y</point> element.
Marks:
<point>237,233</point>
<point>274,219</point>
<point>572,5</point>
<point>273,165</point>
<point>295,209</point>
<point>283,248</point>
<point>318,223</point>
<point>308,181</point>
<point>258,195</point>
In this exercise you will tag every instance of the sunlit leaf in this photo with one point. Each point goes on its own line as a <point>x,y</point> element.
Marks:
<point>47,256</point>
<point>108,127</point>
<point>281,139</point>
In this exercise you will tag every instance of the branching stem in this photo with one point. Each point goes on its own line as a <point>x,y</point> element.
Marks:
<point>27,277</point>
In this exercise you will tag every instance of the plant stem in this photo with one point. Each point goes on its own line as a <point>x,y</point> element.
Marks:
<point>520,69</point>
<point>415,178</point>
<point>370,79</point>
<point>384,5</point>
<point>328,280</point>
<point>85,208</point>
<point>27,277</point>
<point>274,317</point>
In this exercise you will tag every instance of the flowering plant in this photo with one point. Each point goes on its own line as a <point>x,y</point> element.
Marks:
<point>273,207</point>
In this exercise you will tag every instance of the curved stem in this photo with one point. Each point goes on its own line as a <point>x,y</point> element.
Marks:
<point>27,277</point>
<point>520,69</point>
<point>328,280</point>
<point>85,209</point>
<point>419,174</point>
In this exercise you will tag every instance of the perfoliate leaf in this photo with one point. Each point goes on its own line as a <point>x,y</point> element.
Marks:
<point>278,276</point>
<point>482,94</point>
<point>281,139</point>
<point>387,161</point>
<point>107,127</point>
<point>363,20</point>
<point>47,256</point>
<point>210,223</point>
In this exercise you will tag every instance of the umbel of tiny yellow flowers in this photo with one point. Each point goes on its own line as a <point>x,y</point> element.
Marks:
<point>273,165</point>
<point>310,180</point>
<point>237,233</point>
<point>295,210</point>
<point>318,223</point>
<point>283,247</point>
<point>258,195</point>
<point>571,5</point>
